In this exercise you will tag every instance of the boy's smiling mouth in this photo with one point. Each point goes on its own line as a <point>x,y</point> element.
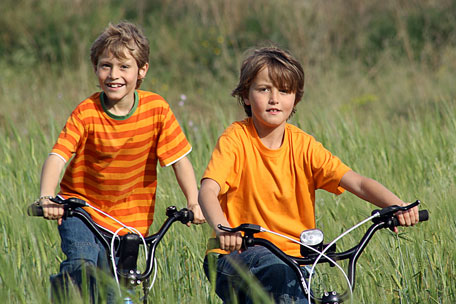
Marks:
<point>114,85</point>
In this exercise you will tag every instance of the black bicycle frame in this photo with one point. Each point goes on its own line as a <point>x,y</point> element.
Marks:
<point>127,245</point>
<point>384,219</point>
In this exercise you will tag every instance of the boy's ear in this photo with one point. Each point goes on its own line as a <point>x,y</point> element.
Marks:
<point>143,71</point>
<point>246,101</point>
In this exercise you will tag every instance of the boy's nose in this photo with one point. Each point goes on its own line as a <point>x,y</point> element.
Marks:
<point>273,97</point>
<point>114,72</point>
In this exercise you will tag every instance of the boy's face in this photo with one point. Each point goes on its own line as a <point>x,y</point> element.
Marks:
<point>270,106</point>
<point>118,76</point>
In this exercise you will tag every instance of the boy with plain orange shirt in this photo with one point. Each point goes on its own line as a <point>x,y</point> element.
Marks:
<point>265,171</point>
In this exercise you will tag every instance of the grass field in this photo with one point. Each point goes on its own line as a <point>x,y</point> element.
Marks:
<point>388,114</point>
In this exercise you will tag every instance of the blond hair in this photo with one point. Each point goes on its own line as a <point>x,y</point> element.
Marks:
<point>119,38</point>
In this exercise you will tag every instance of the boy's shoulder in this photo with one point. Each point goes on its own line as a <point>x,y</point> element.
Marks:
<point>239,128</point>
<point>299,137</point>
<point>240,125</point>
<point>297,131</point>
<point>91,102</point>
<point>149,95</point>
<point>149,100</point>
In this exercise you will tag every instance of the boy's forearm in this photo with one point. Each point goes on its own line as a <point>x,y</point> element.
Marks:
<point>185,177</point>
<point>374,192</point>
<point>369,190</point>
<point>379,195</point>
<point>210,206</point>
<point>50,175</point>
<point>213,213</point>
<point>208,200</point>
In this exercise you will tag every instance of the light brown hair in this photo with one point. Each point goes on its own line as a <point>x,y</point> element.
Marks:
<point>284,70</point>
<point>119,38</point>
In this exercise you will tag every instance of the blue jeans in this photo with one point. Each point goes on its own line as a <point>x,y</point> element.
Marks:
<point>85,256</point>
<point>277,279</point>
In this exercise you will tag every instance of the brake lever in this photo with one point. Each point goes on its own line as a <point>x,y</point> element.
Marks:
<point>248,229</point>
<point>410,206</point>
<point>56,200</point>
<point>391,210</point>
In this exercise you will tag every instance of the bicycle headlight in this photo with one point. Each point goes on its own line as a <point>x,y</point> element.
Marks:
<point>312,237</point>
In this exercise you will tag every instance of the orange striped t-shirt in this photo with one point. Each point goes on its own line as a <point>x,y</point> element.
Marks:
<point>114,165</point>
<point>272,188</point>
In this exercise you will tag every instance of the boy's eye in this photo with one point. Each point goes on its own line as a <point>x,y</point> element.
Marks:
<point>125,66</point>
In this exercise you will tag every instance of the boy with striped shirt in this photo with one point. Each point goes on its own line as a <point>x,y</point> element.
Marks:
<point>114,139</point>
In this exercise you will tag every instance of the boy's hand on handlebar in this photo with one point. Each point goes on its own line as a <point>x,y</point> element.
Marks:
<point>52,211</point>
<point>409,217</point>
<point>198,217</point>
<point>230,241</point>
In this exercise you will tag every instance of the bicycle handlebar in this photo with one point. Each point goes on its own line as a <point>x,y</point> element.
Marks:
<point>385,215</point>
<point>423,215</point>
<point>127,258</point>
<point>384,218</point>
<point>72,203</point>
<point>36,209</point>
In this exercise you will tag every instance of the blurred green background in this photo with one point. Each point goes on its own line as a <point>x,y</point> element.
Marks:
<point>197,47</point>
<point>380,93</point>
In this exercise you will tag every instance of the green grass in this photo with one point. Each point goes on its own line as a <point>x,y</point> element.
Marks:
<point>415,158</point>
<point>384,102</point>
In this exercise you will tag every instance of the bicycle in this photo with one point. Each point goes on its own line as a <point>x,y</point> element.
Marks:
<point>314,251</point>
<point>126,247</point>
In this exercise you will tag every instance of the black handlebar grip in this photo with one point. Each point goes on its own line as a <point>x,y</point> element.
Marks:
<point>35,210</point>
<point>423,216</point>
<point>191,216</point>
<point>184,215</point>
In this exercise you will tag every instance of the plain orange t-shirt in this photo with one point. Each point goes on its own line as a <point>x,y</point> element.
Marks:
<point>272,188</point>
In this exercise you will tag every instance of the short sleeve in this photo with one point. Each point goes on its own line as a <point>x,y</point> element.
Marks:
<point>223,164</point>
<point>172,145</point>
<point>69,137</point>
<point>327,168</point>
